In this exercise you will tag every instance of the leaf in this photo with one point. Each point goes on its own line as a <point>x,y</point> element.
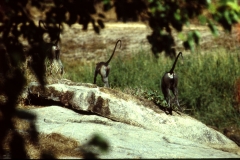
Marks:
<point>212,28</point>
<point>181,36</point>
<point>233,5</point>
<point>235,18</point>
<point>189,43</point>
<point>177,16</point>
<point>227,17</point>
<point>161,8</point>
<point>212,8</point>
<point>106,2</point>
<point>202,19</point>
<point>106,5</point>
<point>96,29</point>
<point>100,23</point>
<point>186,45</point>
<point>99,141</point>
<point>196,37</point>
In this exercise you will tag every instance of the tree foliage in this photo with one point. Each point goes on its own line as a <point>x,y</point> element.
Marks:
<point>175,14</point>
<point>163,16</point>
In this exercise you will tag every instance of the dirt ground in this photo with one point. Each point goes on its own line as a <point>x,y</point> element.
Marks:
<point>88,46</point>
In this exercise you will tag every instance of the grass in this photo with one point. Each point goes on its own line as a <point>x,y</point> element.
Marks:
<point>207,87</point>
<point>206,84</point>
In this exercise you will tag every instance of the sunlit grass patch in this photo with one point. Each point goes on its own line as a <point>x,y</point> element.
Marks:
<point>206,80</point>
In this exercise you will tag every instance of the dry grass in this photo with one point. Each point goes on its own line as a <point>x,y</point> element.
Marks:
<point>38,144</point>
<point>237,95</point>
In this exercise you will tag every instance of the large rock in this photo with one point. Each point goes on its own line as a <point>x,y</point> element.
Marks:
<point>135,128</point>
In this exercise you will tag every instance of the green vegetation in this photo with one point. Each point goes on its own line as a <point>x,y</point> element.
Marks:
<point>206,85</point>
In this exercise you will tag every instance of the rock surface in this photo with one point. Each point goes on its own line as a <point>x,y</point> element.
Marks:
<point>134,128</point>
